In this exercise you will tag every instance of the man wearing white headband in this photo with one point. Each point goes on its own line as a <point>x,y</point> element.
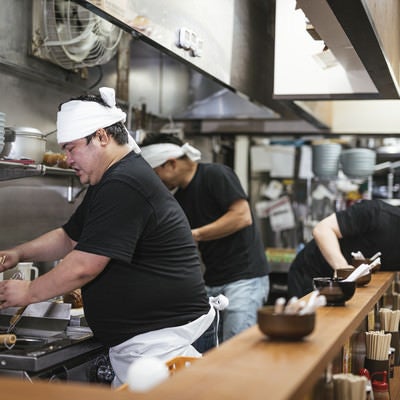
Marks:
<point>100,122</point>
<point>222,224</point>
<point>128,246</point>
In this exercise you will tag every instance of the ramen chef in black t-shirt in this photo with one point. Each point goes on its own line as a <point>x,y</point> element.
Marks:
<point>128,246</point>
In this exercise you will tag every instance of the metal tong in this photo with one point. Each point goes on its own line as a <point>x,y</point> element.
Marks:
<point>18,315</point>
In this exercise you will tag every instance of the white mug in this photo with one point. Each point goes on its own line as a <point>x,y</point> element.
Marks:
<point>25,268</point>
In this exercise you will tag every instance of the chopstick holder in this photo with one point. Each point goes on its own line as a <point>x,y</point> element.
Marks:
<point>377,351</point>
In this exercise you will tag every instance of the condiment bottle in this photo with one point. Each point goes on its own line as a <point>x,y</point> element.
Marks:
<point>380,388</point>
<point>369,394</point>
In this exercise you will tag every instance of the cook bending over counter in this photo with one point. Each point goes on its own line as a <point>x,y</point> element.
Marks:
<point>369,226</point>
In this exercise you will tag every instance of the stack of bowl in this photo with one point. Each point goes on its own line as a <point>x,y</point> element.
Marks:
<point>358,163</point>
<point>325,160</point>
<point>2,124</point>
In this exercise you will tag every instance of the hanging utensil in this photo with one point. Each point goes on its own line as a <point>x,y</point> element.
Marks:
<point>18,315</point>
<point>15,319</point>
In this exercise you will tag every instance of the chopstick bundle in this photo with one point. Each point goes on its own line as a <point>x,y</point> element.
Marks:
<point>389,319</point>
<point>349,387</point>
<point>362,270</point>
<point>300,307</point>
<point>378,345</point>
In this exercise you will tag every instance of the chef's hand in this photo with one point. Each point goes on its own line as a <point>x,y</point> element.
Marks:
<point>14,293</point>
<point>8,259</point>
<point>196,234</point>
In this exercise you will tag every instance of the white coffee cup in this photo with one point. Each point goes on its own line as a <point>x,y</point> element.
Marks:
<point>25,268</point>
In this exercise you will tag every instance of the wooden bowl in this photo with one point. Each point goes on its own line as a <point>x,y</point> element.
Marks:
<point>336,291</point>
<point>356,263</point>
<point>284,326</point>
<point>343,273</point>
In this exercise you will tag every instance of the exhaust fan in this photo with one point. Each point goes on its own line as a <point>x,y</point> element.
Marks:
<point>71,36</point>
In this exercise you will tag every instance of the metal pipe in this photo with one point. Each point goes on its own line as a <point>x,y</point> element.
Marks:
<point>390,178</point>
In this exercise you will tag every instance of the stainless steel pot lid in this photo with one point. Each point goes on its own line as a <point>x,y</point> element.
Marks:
<point>27,131</point>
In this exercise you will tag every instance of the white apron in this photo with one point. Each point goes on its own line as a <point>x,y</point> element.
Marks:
<point>163,344</point>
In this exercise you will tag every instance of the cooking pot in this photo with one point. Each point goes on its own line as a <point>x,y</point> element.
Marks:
<point>29,143</point>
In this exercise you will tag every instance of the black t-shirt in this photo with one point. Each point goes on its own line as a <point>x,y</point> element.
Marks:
<point>372,226</point>
<point>368,226</point>
<point>153,279</point>
<point>208,196</point>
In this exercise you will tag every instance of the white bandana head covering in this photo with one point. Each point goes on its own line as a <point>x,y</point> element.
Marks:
<point>78,118</point>
<point>157,154</point>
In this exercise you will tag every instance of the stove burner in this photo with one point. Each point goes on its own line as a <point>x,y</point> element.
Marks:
<point>28,342</point>
<point>46,344</point>
<point>35,355</point>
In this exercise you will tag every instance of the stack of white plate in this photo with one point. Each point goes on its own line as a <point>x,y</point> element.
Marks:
<point>325,160</point>
<point>2,125</point>
<point>358,163</point>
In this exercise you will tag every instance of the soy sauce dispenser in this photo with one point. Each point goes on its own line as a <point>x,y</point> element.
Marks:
<point>380,387</point>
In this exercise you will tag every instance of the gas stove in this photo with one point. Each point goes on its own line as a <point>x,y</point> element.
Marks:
<point>47,347</point>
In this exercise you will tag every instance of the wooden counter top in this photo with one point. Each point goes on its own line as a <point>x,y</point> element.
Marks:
<point>249,366</point>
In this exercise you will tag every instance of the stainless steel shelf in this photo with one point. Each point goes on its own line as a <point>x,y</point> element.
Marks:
<point>57,171</point>
<point>13,170</point>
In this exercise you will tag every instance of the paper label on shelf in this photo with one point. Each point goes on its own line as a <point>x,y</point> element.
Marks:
<point>279,211</point>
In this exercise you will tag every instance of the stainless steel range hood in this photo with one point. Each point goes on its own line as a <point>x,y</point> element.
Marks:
<point>232,42</point>
<point>224,104</point>
<point>362,35</point>
<point>229,41</point>
<point>182,93</point>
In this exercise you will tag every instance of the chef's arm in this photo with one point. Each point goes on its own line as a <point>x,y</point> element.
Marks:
<point>327,234</point>
<point>237,217</point>
<point>74,271</point>
<point>50,246</point>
